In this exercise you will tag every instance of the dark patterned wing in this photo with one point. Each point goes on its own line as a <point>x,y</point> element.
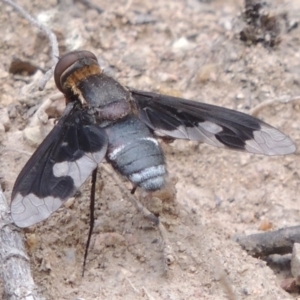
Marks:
<point>214,125</point>
<point>59,166</point>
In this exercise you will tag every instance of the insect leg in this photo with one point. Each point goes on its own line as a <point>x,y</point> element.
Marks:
<point>133,190</point>
<point>147,214</point>
<point>92,217</point>
<point>168,252</point>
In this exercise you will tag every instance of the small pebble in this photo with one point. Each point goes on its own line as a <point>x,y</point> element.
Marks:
<point>4,118</point>
<point>182,44</point>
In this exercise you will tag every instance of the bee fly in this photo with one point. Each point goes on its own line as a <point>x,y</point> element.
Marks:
<point>105,120</point>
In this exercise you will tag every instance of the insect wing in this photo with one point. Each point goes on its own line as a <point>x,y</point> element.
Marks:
<point>214,125</point>
<point>59,166</point>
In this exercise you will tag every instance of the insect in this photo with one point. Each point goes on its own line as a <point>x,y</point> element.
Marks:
<point>105,120</point>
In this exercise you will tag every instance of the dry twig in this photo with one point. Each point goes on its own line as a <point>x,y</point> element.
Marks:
<point>15,267</point>
<point>51,36</point>
<point>90,5</point>
<point>255,111</point>
<point>271,242</point>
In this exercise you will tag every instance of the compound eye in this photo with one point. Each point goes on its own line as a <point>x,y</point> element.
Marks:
<point>66,62</point>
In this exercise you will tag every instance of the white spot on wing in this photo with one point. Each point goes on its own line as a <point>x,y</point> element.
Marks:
<point>205,134</point>
<point>98,156</point>
<point>161,133</point>
<point>201,135</point>
<point>61,169</point>
<point>253,147</point>
<point>210,127</point>
<point>270,141</point>
<point>267,140</point>
<point>80,169</point>
<point>29,210</point>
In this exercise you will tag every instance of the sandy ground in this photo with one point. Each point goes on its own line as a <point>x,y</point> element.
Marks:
<point>185,48</point>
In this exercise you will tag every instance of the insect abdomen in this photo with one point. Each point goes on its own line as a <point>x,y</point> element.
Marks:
<point>136,154</point>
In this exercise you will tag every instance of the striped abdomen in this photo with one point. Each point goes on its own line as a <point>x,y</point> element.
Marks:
<point>136,154</point>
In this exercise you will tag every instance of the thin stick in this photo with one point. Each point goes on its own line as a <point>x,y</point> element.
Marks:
<point>90,5</point>
<point>51,36</point>
<point>132,285</point>
<point>8,149</point>
<point>254,111</point>
<point>271,242</point>
<point>147,294</point>
<point>38,116</point>
<point>15,267</point>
